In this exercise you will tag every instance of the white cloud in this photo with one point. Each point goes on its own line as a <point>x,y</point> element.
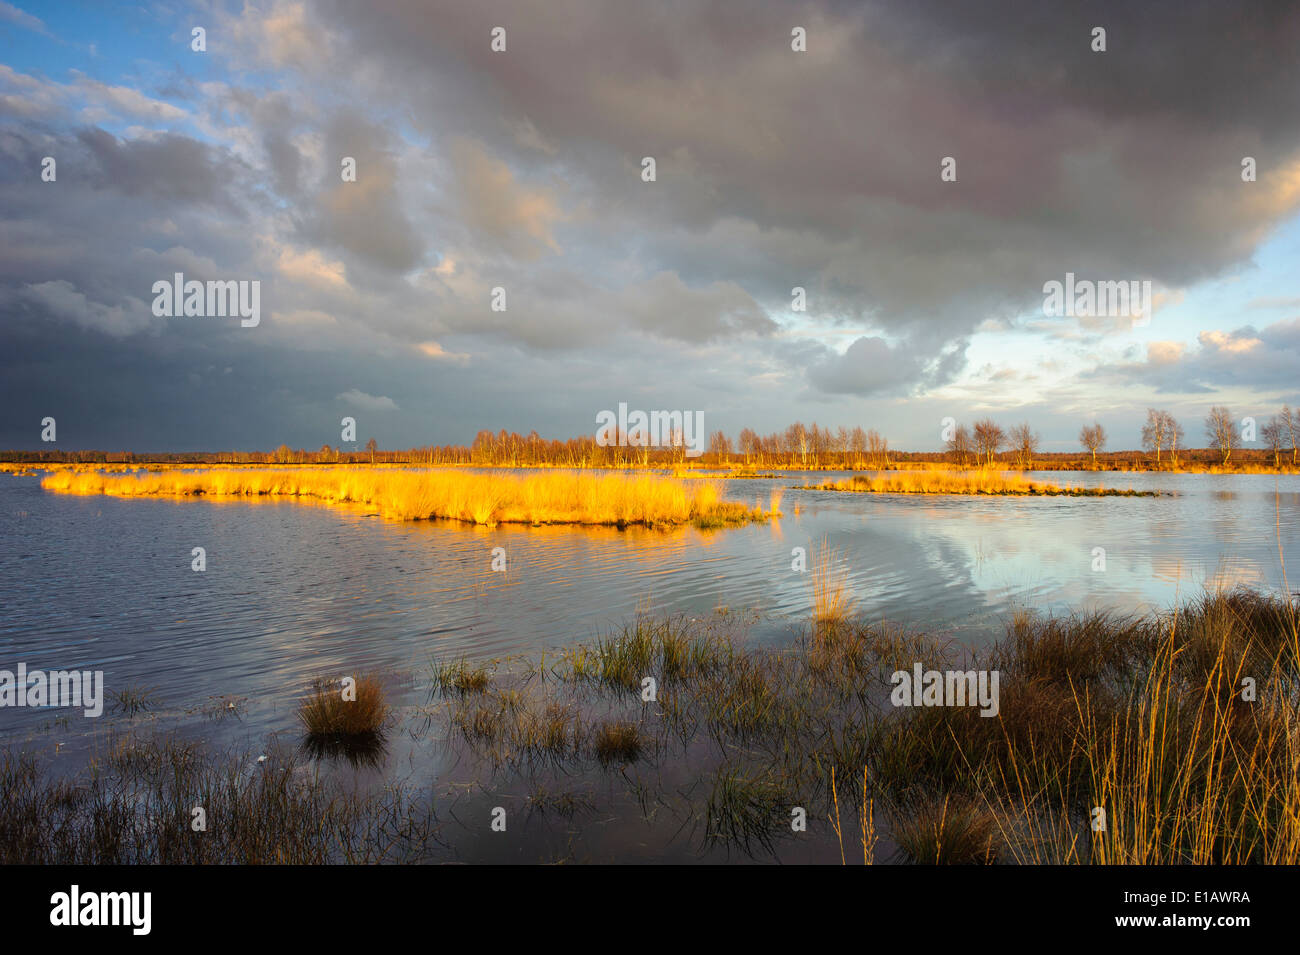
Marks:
<point>359,399</point>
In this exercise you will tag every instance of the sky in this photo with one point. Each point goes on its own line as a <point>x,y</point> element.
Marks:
<point>522,169</point>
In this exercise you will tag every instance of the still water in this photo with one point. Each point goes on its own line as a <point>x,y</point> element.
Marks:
<point>294,591</point>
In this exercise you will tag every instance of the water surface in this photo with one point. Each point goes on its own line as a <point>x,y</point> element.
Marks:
<point>293,591</point>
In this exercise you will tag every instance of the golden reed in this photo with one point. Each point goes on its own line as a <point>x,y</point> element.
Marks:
<point>553,497</point>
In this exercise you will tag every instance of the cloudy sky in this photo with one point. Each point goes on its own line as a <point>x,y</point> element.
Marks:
<point>522,169</point>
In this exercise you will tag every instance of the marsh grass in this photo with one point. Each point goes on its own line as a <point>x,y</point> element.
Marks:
<point>508,727</point>
<point>747,810</point>
<point>330,717</point>
<point>460,676</point>
<point>133,700</point>
<point>135,807</point>
<point>617,741</point>
<point>569,805</point>
<point>669,650</point>
<point>976,481</point>
<point>551,497</point>
<point>866,817</point>
<point>1140,715</point>
<point>832,599</point>
<point>948,831</point>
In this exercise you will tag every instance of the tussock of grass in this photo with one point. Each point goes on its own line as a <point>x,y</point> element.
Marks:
<point>966,481</point>
<point>948,832</point>
<point>618,741</point>
<point>460,676</point>
<point>832,599</point>
<point>327,714</point>
<point>553,497</point>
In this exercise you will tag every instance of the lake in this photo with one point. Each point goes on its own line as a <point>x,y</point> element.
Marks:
<point>293,590</point>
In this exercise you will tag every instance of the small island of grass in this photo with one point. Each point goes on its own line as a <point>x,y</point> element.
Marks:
<point>554,497</point>
<point>974,481</point>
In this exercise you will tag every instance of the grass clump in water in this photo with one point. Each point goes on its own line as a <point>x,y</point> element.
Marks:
<point>619,741</point>
<point>132,700</point>
<point>746,810</point>
<point>460,676</point>
<point>666,650</point>
<point>343,712</point>
<point>948,832</point>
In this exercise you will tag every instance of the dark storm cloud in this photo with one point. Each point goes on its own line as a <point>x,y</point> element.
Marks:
<point>521,170</point>
<point>1203,61</point>
<point>364,217</point>
<point>821,169</point>
<point>87,247</point>
<point>170,167</point>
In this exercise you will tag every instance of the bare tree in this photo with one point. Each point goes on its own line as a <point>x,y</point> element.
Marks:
<point>1273,434</point>
<point>640,439</point>
<point>372,446</point>
<point>1220,431</point>
<point>1024,441</point>
<point>989,439</point>
<point>877,449</point>
<point>796,441</point>
<point>1093,438</point>
<point>1177,438</point>
<point>749,442</point>
<point>720,446</point>
<point>1155,433</point>
<point>817,443</point>
<point>858,444</point>
<point>1291,422</point>
<point>676,446</point>
<point>959,445</point>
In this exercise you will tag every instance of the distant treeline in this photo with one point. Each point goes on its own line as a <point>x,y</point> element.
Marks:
<point>798,446</point>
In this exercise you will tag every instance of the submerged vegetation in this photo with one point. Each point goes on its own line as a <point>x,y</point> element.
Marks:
<point>137,804</point>
<point>832,599</point>
<point>940,480</point>
<point>1151,719</point>
<point>1178,729</point>
<point>554,497</point>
